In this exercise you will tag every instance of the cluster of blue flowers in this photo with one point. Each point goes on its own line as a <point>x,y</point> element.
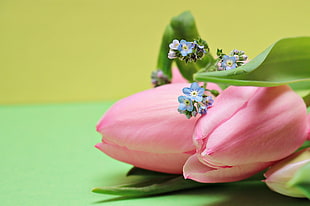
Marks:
<point>187,51</point>
<point>235,59</point>
<point>195,101</point>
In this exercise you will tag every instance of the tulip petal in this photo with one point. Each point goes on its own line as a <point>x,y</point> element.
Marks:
<point>283,176</point>
<point>308,127</point>
<point>177,76</point>
<point>149,121</point>
<point>265,118</point>
<point>196,170</point>
<point>187,91</point>
<point>225,105</point>
<point>147,131</point>
<point>160,162</point>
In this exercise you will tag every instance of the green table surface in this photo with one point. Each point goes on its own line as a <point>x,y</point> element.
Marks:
<point>48,158</point>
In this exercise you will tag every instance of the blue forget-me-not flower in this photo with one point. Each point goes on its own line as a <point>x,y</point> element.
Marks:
<point>194,92</point>
<point>195,102</point>
<point>186,104</point>
<point>228,62</point>
<point>185,47</point>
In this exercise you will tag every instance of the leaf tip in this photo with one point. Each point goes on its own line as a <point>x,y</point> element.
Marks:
<point>96,190</point>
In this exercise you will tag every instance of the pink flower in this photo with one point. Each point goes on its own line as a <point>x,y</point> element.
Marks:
<point>246,130</point>
<point>177,76</point>
<point>309,127</point>
<point>147,131</point>
<point>290,175</point>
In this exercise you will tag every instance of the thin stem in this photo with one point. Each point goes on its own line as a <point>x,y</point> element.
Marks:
<point>205,85</point>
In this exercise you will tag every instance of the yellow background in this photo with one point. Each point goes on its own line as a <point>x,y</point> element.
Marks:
<point>94,50</point>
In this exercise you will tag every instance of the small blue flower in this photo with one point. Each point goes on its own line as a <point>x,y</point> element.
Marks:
<point>202,109</point>
<point>228,62</point>
<point>174,45</point>
<point>186,104</point>
<point>208,101</point>
<point>195,92</point>
<point>172,54</point>
<point>185,47</point>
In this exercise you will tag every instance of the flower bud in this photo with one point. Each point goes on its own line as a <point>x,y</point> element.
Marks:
<point>291,176</point>
<point>246,131</point>
<point>177,76</point>
<point>172,54</point>
<point>147,131</point>
<point>235,51</point>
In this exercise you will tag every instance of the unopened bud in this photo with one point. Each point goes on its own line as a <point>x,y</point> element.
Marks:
<point>291,176</point>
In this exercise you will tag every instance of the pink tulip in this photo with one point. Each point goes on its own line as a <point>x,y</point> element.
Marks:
<point>289,175</point>
<point>309,127</point>
<point>147,131</point>
<point>177,76</point>
<point>246,130</point>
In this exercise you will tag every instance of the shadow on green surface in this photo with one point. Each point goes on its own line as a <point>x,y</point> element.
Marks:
<point>249,193</point>
<point>116,199</point>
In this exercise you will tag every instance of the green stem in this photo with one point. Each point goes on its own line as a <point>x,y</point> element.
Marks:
<point>213,92</point>
<point>205,86</point>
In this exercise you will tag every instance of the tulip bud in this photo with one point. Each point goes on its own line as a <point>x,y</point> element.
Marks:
<point>246,130</point>
<point>291,176</point>
<point>177,76</point>
<point>147,131</point>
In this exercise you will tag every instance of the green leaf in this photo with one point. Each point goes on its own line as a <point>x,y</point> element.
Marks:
<point>285,62</point>
<point>153,187</point>
<point>154,183</point>
<point>307,99</point>
<point>187,69</point>
<point>306,144</point>
<point>163,62</point>
<point>184,27</point>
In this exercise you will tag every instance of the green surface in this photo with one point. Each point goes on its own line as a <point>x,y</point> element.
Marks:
<point>48,158</point>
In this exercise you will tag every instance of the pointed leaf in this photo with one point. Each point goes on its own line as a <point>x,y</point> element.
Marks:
<point>307,99</point>
<point>184,26</point>
<point>160,183</point>
<point>163,62</point>
<point>160,187</point>
<point>285,62</point>
<point>304,145</point>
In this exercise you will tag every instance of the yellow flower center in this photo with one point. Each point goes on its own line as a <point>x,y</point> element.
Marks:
<point>187,102</point>
<point>194,93</point>
<point>229,63</point>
